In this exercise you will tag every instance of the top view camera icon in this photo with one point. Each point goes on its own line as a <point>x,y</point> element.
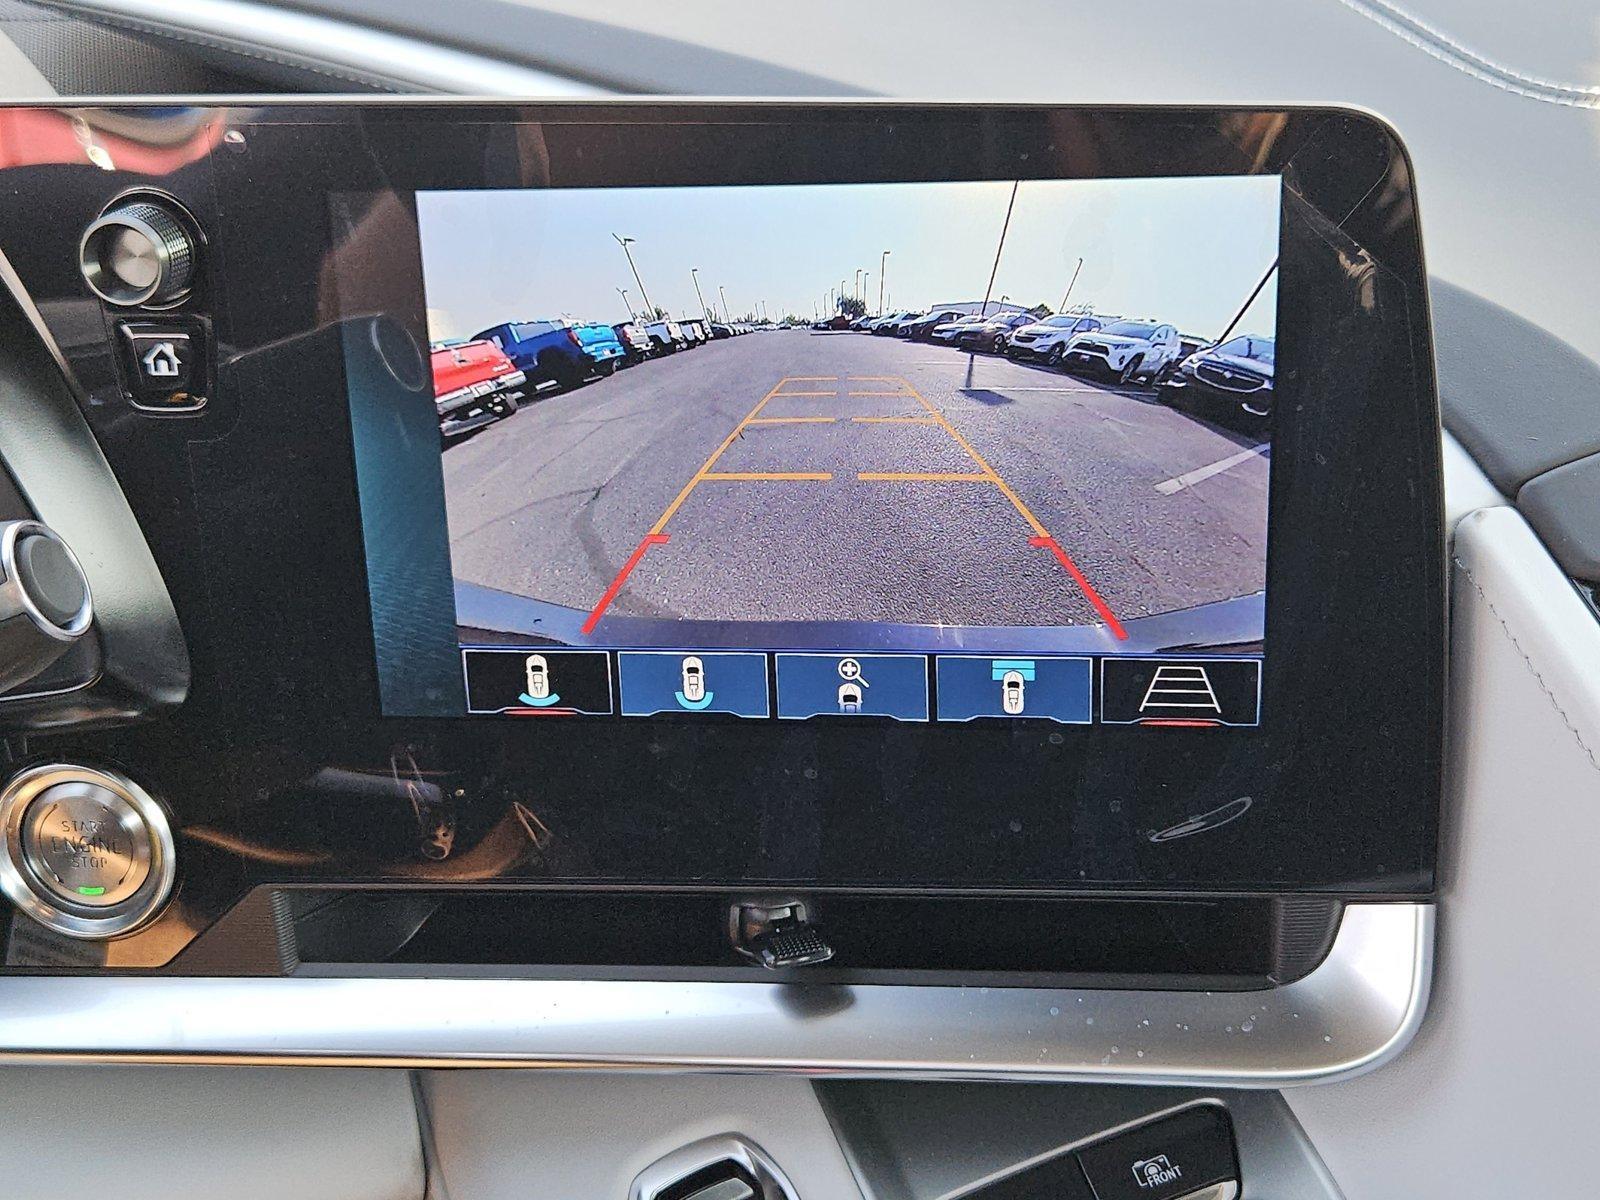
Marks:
<point>693,694</point>
<point>540,690</point>
<point>1011,698</point>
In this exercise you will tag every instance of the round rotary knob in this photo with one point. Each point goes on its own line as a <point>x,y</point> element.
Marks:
<point>139,252</point>
<point>44,600</point>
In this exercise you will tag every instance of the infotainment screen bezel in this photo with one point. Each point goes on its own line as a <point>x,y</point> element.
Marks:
<point>1337,791</point>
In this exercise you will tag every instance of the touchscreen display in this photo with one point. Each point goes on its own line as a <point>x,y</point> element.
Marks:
<point>947,452</point>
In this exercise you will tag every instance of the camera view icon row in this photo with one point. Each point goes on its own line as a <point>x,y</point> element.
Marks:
<point>1132,690</point>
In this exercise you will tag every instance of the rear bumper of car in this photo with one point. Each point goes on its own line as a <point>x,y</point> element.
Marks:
<point>1034,350</point>
<point>478,392</point>
<point>1208,399</point>
<point>1084,360</point>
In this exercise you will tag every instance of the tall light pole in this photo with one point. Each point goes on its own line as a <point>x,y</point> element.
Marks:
<point>995,270</point>
<point>623,292</point>
<point>1070,284</point>
<point>883,267</point>
<point>724,296</point>
<point>857,292</point>
<point>624,242</point>
<point>832,305</point>
<point>694,273</point>
<point>866,287</point>
<point>841,291</point>
<point>1245,307</point>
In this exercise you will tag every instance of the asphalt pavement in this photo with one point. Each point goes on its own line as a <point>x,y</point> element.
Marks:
<point>801,475</point>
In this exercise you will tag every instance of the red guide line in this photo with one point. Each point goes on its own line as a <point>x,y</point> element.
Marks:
<point>650,539</point>
<point>1180,723</point>
<point>1100,606</point>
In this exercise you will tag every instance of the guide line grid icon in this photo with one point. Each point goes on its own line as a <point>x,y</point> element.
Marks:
<point>1186,687</point>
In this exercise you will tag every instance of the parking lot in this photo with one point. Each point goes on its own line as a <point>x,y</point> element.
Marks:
<point>796,475</point>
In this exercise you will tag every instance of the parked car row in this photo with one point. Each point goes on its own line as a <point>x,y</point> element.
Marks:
<point>484,378</point>
<point>1231,383</point>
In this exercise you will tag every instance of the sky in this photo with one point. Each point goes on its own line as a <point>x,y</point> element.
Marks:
<point>1186,251</point>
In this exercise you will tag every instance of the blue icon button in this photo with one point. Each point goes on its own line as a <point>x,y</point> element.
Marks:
<point>656,681</point>
<point>1045,689</point>
<point>847,685</point>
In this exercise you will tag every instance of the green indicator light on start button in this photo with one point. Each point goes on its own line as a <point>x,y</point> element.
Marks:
<point>91,891</point>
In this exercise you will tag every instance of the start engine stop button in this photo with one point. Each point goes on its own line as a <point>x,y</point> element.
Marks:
<point>84,851</point>
<point>86,845</point>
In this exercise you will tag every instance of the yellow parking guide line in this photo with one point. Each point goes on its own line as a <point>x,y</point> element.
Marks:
<point>880,394</point>
<point>807,393</point>
<point>924,477</point>
<point>791,420</point>
<point>810,379</point>
<point>764,476</point>
<point>1005,488</point>
<point>919,420</point>
<point>683,494</point>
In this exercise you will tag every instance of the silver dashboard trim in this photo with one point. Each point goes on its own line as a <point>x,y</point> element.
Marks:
<point>1355,1011</point>
<point>312,40</point>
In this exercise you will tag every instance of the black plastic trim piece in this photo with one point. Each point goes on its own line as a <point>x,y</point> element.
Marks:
<point>58,468</point>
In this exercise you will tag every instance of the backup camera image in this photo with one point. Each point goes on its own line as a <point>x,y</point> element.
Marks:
<point>977,418</point>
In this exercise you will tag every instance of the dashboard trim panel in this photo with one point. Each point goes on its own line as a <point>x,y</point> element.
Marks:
<point>1355,1011</point>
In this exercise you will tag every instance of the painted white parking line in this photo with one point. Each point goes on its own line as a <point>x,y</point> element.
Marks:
<point>1189,478</point>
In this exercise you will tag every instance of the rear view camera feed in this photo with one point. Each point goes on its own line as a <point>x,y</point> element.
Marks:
<point>923,451</point>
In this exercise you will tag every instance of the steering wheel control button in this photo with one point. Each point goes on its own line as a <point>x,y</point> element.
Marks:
<point>86,845</point>
<point>698,681</point>
<point>142,252</point>
<point>163,364</point>
<point>50,574</point>
<point>1190,1153</point>
<point>44,601</point>
<point>86,852</point>
<point>534,683</point>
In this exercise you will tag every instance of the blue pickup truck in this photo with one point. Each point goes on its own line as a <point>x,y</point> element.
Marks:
<point>557,351</point>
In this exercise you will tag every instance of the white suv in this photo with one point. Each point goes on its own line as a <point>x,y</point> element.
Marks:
<point>1047,340</point>
<point>1124,350</point>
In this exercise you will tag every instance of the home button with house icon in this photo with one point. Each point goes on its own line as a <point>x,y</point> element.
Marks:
<point>161,365</point>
